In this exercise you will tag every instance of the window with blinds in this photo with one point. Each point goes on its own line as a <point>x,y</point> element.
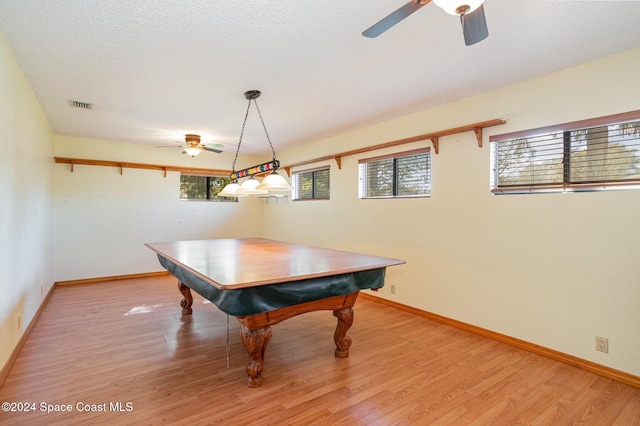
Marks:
<point>311,184</point>
<point>406,174</point>
<point>595,154</point>
<point>203,188</point>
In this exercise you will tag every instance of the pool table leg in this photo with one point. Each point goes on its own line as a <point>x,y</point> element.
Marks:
<point>188,299</point>
<point>255,341</point>
<point>256,329</point>
<point>343,342</point>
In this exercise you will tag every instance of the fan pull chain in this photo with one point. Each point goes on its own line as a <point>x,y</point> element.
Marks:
<point>228,344</point>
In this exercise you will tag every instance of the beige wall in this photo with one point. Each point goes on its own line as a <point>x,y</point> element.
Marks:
<point>104,218</point>
<point>552,269</point>
<point>26,203</point>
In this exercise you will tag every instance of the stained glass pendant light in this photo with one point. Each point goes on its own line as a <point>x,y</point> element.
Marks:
<point>273,182</point>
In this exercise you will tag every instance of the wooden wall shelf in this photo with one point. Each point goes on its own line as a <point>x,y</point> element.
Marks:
<point>434,137</point>
<point>122,165</point>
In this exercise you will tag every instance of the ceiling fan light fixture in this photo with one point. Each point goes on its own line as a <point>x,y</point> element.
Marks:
<point>458,7</point>
<point>192,150</point>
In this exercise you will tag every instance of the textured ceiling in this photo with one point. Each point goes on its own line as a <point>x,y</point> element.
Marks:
<point>155,70</point>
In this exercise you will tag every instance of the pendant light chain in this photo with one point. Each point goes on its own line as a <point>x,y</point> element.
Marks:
<point>246,115</point>
<point>273,152</point>
<point>244,123</point>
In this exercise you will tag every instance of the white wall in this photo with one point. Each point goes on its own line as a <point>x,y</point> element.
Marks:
<point>554,269</point>
<point>103,218</point>
<point>26,203</point>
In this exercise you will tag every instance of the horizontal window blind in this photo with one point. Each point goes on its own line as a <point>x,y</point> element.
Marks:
<point>400,175</point>
<point>312,184</point>
<point>588,158</point>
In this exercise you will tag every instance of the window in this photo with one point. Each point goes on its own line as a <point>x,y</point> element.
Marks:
<point>593,154</point>
<point>312,185</point>
<point>406,174</point>
<point>194,187</point>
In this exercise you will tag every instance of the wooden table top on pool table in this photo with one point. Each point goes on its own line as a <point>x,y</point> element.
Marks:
<point>263,282</point>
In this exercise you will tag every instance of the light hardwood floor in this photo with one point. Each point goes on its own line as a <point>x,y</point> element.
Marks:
<point>127,342</point>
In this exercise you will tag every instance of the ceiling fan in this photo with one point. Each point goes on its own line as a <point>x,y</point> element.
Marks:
<point>193,146</point>
<point>471,12</point>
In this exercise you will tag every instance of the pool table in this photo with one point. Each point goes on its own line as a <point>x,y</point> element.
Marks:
<point>262,282</point>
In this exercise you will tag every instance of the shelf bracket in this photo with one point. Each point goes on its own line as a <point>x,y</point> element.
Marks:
<point>339,161</point>
<point>435,140</point>
<point>478,132</point>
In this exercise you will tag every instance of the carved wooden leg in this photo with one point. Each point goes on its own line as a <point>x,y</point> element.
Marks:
<point>343,342</point>
<point>255,342</point>
<point>188,299</point>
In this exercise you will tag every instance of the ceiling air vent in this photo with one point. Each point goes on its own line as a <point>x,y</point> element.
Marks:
<point>83,105</point>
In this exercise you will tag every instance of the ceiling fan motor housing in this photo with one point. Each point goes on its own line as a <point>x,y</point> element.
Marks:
<point>462,9</point>
<point>192,139</point>
<point>458,7</point>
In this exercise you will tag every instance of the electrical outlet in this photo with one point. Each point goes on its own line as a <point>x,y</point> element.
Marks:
<point>393,289</point>
<point>602,344</point>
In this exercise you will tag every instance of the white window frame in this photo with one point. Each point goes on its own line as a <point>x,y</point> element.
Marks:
<point>317,192</point>
<point>393,176</point>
